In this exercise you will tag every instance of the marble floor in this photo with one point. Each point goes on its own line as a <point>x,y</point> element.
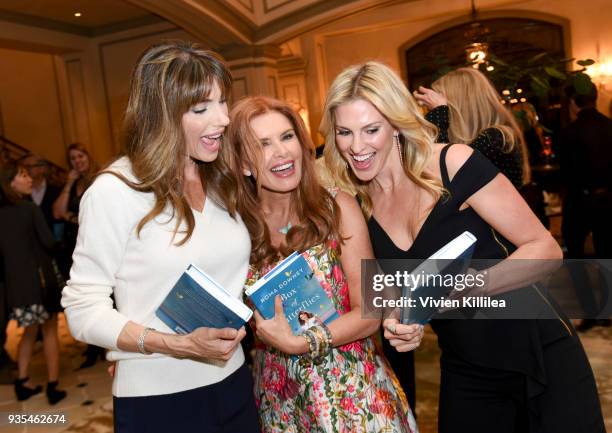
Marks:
<point>88,407</point>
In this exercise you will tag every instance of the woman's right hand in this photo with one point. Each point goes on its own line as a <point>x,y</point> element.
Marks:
<point>211,343</point>
<point>429,98</point>
<point>203,343</point>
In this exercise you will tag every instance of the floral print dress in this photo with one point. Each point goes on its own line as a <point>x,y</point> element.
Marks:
<point>352,390</point>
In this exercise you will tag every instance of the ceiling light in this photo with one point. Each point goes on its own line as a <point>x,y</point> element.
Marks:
<point>77,14</point>
<point>477,52</point>
<point>490,68</point>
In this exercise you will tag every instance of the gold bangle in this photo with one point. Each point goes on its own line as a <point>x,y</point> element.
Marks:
<point>312,344</point>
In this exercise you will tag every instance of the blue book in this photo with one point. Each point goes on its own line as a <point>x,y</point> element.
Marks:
<point>452,259</point>
<point>305,302</point>
<point>196,301</point>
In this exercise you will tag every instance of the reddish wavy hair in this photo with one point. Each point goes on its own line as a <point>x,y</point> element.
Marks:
<point>318,213</point>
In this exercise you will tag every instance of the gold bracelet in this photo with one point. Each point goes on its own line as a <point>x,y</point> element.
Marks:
<point>312,344</point>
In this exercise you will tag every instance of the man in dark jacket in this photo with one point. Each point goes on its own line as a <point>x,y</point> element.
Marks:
<point>586,170</point>
<point>44,193</point>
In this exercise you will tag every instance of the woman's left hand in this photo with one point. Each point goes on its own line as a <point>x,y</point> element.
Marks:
<point>277,333</point>
<point>403,337</point>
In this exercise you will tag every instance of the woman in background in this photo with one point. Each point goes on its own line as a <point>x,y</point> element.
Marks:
<point>66,207</point>
<point>466,108</point>
<point>328,378</point>
<point>32,279</point>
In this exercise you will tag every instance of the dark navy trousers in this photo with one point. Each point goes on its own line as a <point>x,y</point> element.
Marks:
<point>224,407</point>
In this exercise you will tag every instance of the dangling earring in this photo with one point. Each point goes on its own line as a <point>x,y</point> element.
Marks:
<point>399,148</point>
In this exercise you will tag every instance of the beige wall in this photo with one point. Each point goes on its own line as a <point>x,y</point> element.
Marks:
<point>29,102</point>
<point>118,57</point>
<point>58,88</point>
<point>379,34</point>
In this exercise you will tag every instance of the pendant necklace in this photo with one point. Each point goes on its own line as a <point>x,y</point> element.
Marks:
<point>285,230</point>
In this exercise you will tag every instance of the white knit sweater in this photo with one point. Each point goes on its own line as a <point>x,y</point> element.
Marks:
<point>140,270</point>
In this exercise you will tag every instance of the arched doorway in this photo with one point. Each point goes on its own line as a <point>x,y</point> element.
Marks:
<point>509,39</point>
<point>512,46</point>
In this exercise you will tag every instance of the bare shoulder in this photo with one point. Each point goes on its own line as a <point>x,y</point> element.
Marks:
<point>456,156</point>
<point>353,228</point>
<point>347,203</point>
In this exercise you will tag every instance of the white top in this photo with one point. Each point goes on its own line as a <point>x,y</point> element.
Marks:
<point>140,270</point>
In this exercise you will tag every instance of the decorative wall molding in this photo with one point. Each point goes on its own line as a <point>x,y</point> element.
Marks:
<point>60,26</point>
<point>240,88</point>
<point>236,51</point>
<point>272,86</point>
<point>291,65</point>
<point>78,102</point>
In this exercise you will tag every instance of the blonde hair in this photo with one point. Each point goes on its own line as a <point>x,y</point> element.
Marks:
<point>380,86</point>
<point>318,213</point>
<point>167,81</point>
<point>474,106</point>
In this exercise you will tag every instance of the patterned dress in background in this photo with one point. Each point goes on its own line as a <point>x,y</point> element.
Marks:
<point>352,390</point>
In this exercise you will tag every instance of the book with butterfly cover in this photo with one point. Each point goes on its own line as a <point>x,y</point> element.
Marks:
<point>197,300</point>
<point>305,302</point>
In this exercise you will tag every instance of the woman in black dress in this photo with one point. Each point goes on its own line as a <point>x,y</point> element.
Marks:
<point>497,375</point>
<point>32,279</point>
<point>66,207</point>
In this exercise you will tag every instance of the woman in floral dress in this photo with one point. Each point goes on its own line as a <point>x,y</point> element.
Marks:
<point>350,387</point>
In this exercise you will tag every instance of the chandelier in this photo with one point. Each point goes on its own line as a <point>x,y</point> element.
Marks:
<point>478,49</point>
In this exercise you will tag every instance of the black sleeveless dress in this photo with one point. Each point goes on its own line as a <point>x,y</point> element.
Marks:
<point>498,375</point>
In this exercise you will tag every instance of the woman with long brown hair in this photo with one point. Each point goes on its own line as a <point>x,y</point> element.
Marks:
<point>169,202</point>
<point>339,382</point>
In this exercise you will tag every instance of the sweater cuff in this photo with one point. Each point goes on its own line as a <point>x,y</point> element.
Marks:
<point>104,329</point>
